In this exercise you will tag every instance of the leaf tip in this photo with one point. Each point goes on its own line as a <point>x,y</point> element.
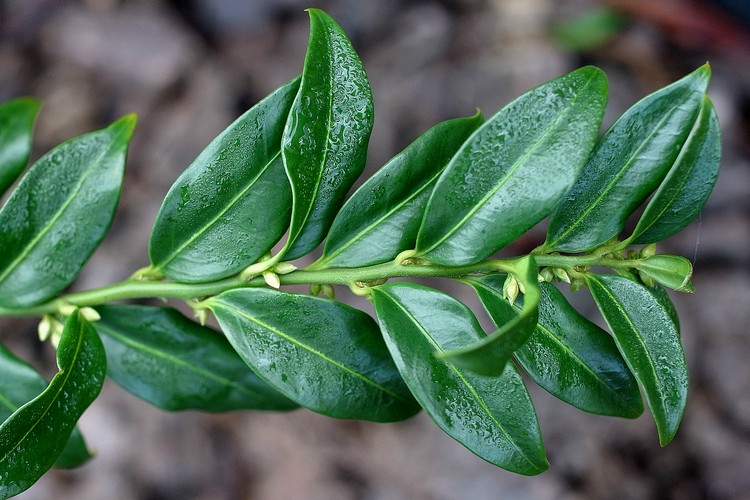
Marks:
<point>125,125</point>
<point>702,75</point>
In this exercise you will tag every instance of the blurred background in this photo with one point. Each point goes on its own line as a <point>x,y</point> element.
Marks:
<point>188,68</point>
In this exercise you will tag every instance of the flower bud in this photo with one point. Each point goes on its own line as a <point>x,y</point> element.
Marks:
<point>648,251</point>
<point>202,316</point>
<point>576,284</point>
<point>547,274</point>
<point>284,268</point>
<point>328,291</point>
<point>510,289</point>
<point>272,279</point>
<point>671,271</point>
<point>647,280</point>
<point>45,327</point>
<point>90,314</point>
<point>561,274</point>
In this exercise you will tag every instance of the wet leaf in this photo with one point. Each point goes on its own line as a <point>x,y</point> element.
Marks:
<point>383,216</point>
<point>37,433</point>
<point>490,354</point>
<point>19,384</point>
<point>627,164</point>
<point>173,363</point>
<point>232,203</point>
<point>59,213</point>
<point>16,126</point>
<point>492,416</point>
<point>684,192</point>
<point>324,355</point>
<point>567,355</point>
<point>325,140</point>
<point>649,341</point>
<point>514,170</point>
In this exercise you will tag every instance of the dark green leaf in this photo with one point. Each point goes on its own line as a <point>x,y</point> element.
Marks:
<point>326,136</point>
<point>567,355</point>
<point>232,203</point>
<point>514,170</point>
<point>16,126</point>
<point>58,214</point>
<point>649,340</point>
<point>382,217</point>
<point>492,416</point>
<point>663,297</point>
<point>19,384</point>
<point>671,271</point>
<point>75,452</point>
<point>36,434</point>
<point>489,355</point>
<point>173,363</point>
<point>685,190</point>
<point>324,355</point>
<point>627,164</point>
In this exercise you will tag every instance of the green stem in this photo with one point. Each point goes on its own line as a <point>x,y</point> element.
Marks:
<point>140,289</point>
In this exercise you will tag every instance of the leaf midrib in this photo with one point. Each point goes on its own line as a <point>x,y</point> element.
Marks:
<point>309,349</point>
<point>58,214</point>
<point>616,178</point>
<point>177,361</point>
<point>216,217</point>
<point>294,233</point>
<point>65,376</point>
<point>516,165</point>
<point>377,222</point>
<point>460,375</point>
<point>642,344</point>
<point>571,353</point>
<point>682,180</point>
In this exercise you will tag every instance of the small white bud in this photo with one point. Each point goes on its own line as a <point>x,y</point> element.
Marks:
<point>648,251</point>
<point>561,274</point>
<point>45,327</point>
<point>272,279</point>
<point>510,289</point>
<point>328,291</point>
<point>284,268</point>
<point>90,314</point>
<point>202,316</point>
<point>67,309</point>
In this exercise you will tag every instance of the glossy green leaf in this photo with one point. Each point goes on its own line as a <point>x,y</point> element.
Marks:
<point>59,213</point>
<point>490,354</point>
<point>36,434</point>
<point>75,453</point>
<point>173,363</point>
<point>326,136</point>
<point>627,164</point>
<point>663,297</point>
<point>19,384</point>
<point>514,170</point>
<point>649,340</point>
<point>383,216</point>
<point>324,355</point>
<point>492,416</point>
<point>232,203</point>
<point>16,126</point>
<point>685,190</point>
<point>567,355</point>
<point>671,271</point>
